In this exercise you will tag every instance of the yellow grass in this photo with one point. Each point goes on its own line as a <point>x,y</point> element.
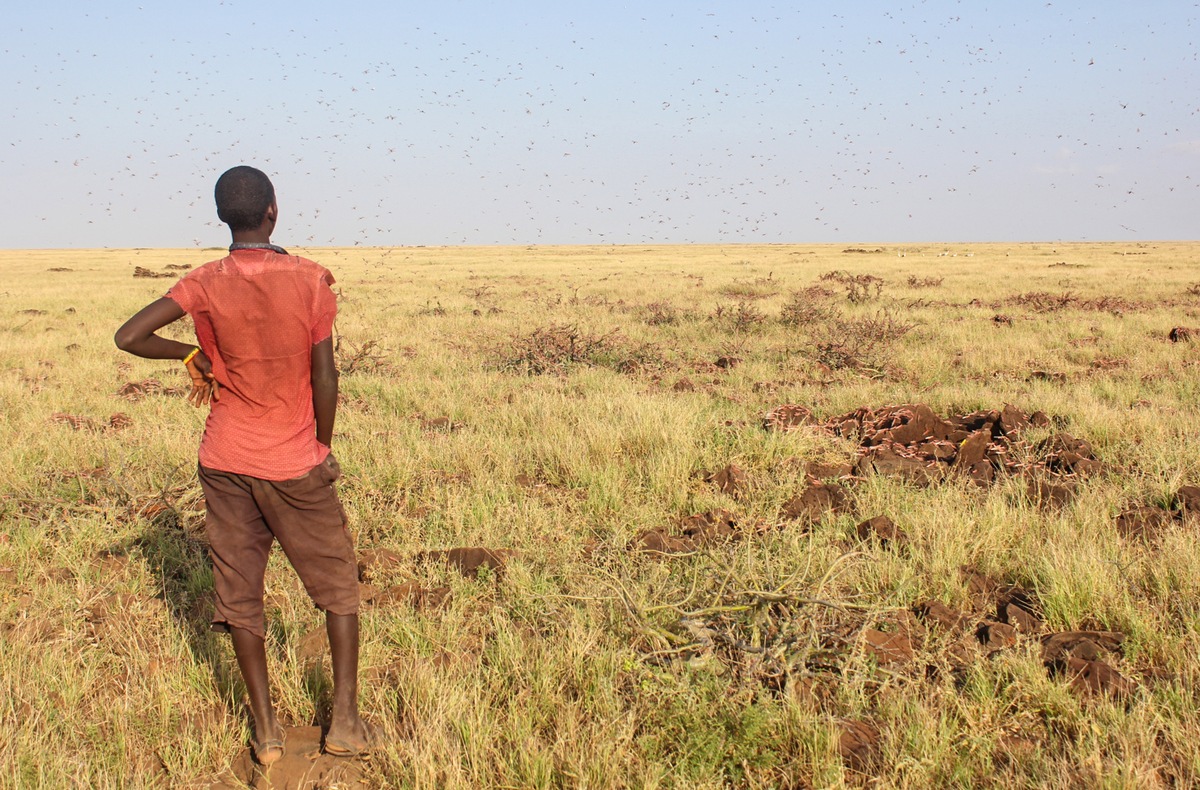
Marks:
<point>580,664</point>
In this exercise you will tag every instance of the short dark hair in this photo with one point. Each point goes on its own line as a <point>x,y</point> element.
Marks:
<point>243,196</point>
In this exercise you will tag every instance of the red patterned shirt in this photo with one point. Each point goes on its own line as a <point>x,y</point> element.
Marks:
<point>258,314</point>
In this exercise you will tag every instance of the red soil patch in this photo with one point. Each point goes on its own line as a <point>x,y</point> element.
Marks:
<point>1183,333</point>
<point>859,746</point>
<point>882,529</point>
<point>137,390</point>
<point>139,271</point>
<point>816,501</point>
<point>471,560</point>
<point>302,766</point>
<point>116,422</point>
<point>695,532</point>
<point>914,443</point>
<point>730,480</point>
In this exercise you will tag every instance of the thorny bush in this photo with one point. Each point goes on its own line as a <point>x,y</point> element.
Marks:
<point>810,306</point>
<point>557,348</point>
<point>741,318</point>
<point>367,357</point>
<point>859,287</point>
<point>858,344</point>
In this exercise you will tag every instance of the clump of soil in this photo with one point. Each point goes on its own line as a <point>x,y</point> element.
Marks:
<point>693,533</point>
<point>139,271</point>
<point>912,442</point>
<point>729,480</point>
<point>817,501</point>
<point>116,422</point>
<point>1183,333</point>
<point>472,560</point>
<point>1148,522</point>
<point>303,765</point>
<point>137,390</point>
<point>882,529</point>
<point>787,417</point>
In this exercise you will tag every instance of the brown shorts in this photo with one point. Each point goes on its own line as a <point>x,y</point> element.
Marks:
<point>246,514</point>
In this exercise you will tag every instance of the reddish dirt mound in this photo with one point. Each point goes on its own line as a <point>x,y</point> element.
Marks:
<point>696,531</point>
<point>1148,522</point>
<point>914,443</point>
<point>888,648</point>
<point>858,745</point>
<point>139,271</point>
<point>815,502</point>
<point>1183,333</point>
<point>471,560</point>
<point>302,766</point>
<point>787,417</point>
<point>882,529</point>
<point>730,480</point>
<point>137,390</point>
<point>116,422</point>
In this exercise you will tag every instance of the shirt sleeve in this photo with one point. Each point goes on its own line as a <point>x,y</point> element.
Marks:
<point>324,309</point>
<point>188,294</point>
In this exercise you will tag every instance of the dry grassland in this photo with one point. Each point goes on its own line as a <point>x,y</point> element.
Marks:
<point>685,586</point>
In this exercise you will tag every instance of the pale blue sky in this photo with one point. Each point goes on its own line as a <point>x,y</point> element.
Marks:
<point>536,122</point>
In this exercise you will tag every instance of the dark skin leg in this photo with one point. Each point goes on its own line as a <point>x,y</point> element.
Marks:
<point>252,660</point>
<point>345,727</point>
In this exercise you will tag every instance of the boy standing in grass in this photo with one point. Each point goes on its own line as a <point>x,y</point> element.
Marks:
<point>264,322</point>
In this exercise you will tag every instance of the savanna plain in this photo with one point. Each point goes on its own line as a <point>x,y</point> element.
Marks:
<point>760,516</point>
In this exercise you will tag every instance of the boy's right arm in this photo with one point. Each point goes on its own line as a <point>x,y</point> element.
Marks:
<point>137,336</point>
<point>325,389</point>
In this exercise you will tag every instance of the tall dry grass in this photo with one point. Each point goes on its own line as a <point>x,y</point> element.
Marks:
<point>568,433</point>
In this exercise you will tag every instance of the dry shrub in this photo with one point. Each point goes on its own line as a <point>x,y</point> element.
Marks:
<point>557,348</point>
<point>432,309</point>
<point>1044,302</point>
<point>366,357</point>
<point>1194,289</point>
<point>659,313</point>
<point>859,287</point>
<point>924,282</point>
<point>743,317</point>
<point>810,306</point>
<point>860,344</point>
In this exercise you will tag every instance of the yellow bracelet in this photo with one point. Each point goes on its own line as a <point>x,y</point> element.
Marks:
<point>192,355</point>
